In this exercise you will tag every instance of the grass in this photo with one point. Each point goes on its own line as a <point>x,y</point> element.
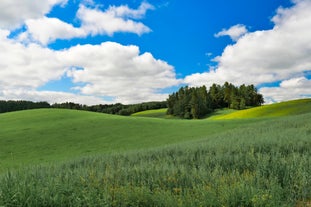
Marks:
<point>155,113</point>
<point>52,135</point>
<point>267,163</point>
<point>55,157</point>
<point>288,108</point>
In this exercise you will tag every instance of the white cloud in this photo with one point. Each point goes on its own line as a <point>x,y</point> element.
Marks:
<point>27,66</point>
<point>93,22</point>
<point>125,12</point>
<point>111,69</point>
<point>50,96</point>
<point>235,32</point>
<point>114,19</point>
<point>46,30</point>
<point>290,89</point>
<point>266,56</point>
<point>14,12</point>
<point>108,69</point>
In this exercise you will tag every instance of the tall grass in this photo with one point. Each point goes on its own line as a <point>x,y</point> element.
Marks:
<point>267,164</point>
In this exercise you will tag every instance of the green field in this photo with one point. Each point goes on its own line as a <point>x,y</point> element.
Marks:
<point>155,113</point>
<point>54,157</point>
<point>45,135</point>
<point>288,108</point>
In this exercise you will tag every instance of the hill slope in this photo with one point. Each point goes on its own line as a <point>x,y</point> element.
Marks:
<point>294,107</point>
<point>155,113</point>
<point>44,135</point>
<point>263,164</point>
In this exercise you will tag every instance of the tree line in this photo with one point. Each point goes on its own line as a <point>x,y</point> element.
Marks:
<point>188,102</point>
<point>118,108</point>
<point>8,106</point>
<point>197,102</point>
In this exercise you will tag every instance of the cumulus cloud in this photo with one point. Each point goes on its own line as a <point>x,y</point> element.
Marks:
<point>114,19</point>
<point>93,22</point>
<point>45,30</point>
<point>126,12</point>
<point>234,32</point>
<point>14,12</point>
<point>109,69</point>
<point>50,97</point>
<point>266,56</point>
<point>27,66</point>
<point>290,89</point>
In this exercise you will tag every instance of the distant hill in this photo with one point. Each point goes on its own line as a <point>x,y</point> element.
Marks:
<point>294,107</point>
<point>156,113</point>
<point>287,108</point>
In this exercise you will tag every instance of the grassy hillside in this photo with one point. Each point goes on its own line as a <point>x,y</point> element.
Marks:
<point>45,135</point>
<point>156,113</point>
<point>263,164</point>
<point>273,110</point>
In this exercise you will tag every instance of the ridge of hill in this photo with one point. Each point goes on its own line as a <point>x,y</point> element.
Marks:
<point>294,107</point>
<point>154,113</point>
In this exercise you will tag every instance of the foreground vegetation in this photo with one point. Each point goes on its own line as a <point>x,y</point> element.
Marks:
<point>264,164</point>
<point>109,160</point>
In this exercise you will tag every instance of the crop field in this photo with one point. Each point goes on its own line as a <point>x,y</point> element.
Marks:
<point>74,158</point>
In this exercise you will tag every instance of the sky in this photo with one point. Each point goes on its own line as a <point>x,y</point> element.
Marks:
<point>132,51</point>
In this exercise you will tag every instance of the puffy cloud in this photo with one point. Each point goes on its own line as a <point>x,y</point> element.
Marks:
<point>114,19</point>
<point>14,13</point>
<point>50,97</point>
<point>27,66</point>
<point>93,22</point>
<point>111,69</point>
<point>46,30</point>
<point>235,32</point>
<point>125,11</point>
<point>108,69</point>
<point>266,56</point>
<point>290,89</point>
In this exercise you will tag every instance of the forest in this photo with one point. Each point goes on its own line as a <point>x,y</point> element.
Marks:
<point>197,102</point>
<point>118,108</point>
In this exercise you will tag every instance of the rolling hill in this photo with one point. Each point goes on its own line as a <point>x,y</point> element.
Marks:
<point>156,113</point>
<point>287,108</point>
<point>45,135</point>
<point>75,158</point>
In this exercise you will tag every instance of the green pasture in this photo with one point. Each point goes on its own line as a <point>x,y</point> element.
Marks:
<point>266,163</point>
<point>155,113</point>
<point>288,108</point>
<point>255,157</point>
<point>51,135</point>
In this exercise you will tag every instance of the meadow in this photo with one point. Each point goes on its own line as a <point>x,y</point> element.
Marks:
<point>52,135</point>
<point>137,161</point>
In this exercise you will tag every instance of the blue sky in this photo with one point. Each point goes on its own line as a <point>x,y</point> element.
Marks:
<point>130,51</point>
